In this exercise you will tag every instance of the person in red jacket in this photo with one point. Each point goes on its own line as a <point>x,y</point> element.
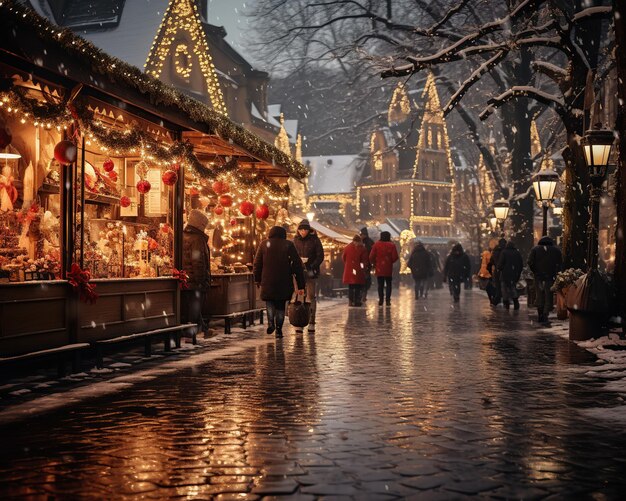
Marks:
<point>382,257</point>
<point>355,265</point>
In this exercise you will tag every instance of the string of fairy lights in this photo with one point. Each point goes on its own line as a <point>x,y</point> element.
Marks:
<point>20,21</point>
<point>131,140</point>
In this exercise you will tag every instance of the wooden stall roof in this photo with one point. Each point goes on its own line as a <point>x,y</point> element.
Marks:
<point>32,44</point>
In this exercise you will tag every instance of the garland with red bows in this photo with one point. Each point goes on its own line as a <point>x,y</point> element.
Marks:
<point>80,280</point>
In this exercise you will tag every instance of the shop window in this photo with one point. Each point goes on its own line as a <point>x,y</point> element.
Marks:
<point>29,202</point>
<point>365,206</point>
<point>398,200</point>
<point>376,205</point>
<point>388,203</point>
<point>425,199</point>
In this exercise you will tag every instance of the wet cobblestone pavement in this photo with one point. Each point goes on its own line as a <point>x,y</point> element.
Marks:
<point>424,400</point>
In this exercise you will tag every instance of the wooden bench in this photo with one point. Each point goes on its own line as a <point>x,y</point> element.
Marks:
<point>61,353</point>
<point>246,316</point>
<point>339,292</point>
<point>165,333</point>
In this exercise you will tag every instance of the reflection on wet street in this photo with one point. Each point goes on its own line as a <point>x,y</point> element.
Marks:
<point>424,398</point>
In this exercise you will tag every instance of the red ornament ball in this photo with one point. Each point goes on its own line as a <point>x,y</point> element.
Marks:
<point>112,175</point>
<point>233,222</point>
<point>152,244</point>
<point>143,186</point>
<point>262,211</point>
<point>165,228</point>
<point>65,152</point>
<point>193,191</point>
<point>218,210</point>
<point>169,177</point>
<point>220,187</point>
<point>246,208</point>
<point>125,201</point>
<point>5,138</point>
<point>226,200</point>
<point>108,165</point>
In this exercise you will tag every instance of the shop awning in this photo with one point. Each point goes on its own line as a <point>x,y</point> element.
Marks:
<point>327,232</point>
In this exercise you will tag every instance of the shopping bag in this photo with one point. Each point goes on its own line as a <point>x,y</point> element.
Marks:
<point>299,312</point>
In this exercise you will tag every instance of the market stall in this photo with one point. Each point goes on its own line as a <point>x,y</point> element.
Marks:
<point>96,176</point>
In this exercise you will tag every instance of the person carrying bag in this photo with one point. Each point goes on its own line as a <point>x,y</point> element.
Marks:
<point>299,312</point>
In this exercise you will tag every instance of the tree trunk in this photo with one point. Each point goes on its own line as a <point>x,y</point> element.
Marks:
<point>619,14</point>
<point>576,205</point>
<point>521,214</point>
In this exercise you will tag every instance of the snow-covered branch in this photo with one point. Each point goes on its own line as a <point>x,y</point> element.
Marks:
<point>528,92</point>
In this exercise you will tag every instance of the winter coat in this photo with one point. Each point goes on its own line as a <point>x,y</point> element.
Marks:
<point>510,264</point>
<point>484,265</point>
<point>382,256</point>
<point>275,264</point>
<point>545,259</point>
<point>458,266</point>
<point>310,247</point>
<point>493,262</point>
<point>196,258</point>
<point>421,263</point>
<point>355,264</point>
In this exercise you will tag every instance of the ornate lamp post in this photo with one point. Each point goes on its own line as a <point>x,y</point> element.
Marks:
<point>597,144</point>
<point>501,209</point>
<point>544,184</point>
<point>589,303</point>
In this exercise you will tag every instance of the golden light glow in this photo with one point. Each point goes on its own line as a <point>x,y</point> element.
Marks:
<point>182,19</point>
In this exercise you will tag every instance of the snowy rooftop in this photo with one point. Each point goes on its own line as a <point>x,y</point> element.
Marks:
<point>334,174</point>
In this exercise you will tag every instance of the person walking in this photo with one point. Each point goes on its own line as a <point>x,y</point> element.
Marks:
<point>510,265</point>
<point>545,261</point>
<point>421,265</point>
<point>456,270</point>
<point>484,276</point>
<point>368,243</point>
<point>382,256</point>
<point>196,263</point>
<point>275,265</point>
<point>310,250</point>
<point>495,274</point>
<point>355,264</point>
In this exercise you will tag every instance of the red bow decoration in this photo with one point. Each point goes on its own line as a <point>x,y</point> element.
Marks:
<point>79,279</point>
<point>181,276</point>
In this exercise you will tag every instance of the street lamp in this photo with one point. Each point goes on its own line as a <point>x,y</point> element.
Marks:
<point>501,209</point>
<point>310,216</point>
<point>597,144</point>
<point>544,184</point>
<point>493,222</point>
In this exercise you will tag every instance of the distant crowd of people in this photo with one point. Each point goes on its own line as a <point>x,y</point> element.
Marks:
<point>285,270</point>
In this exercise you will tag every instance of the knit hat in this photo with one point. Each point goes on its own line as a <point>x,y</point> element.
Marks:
<point>385,236</point>
<point>304,225</point>
<point>364,232</point>
<point>198,219</point>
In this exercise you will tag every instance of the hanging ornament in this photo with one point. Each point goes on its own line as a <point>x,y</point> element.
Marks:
<point>143,186</point>
<point>246,208</point>
<point>176,167</point>
<point>108,165</point>
<point>125,201</point>
<point>226,200</point>
<point>152,244</point>
<point>233,222</point>
<point>5,138</point>
<point>219,210</point>
<point>169,177</point>
<point>165,228</point>
<point>65,152</point>
<point>220,187</point>
<point>112,176</point>
<point>262,211</point>
<point>193,191</point>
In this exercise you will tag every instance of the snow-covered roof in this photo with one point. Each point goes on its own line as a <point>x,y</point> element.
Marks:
<point>320,228</point>
<point>387,227</point>
<point>399,224</point>
<point>273,110</point>
<point>291,126</point>
<point>334,174</point>
<point>254,111</point>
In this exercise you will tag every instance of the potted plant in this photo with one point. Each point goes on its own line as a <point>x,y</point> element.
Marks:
<point>563,282</point>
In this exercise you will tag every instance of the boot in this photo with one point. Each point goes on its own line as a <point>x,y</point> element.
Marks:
<point>506,304</point>
<point>540,317</point>
<point>271,328</point>
<point>516,304</point>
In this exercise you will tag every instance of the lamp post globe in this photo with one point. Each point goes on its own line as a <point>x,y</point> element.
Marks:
<point>501,209</point>
<point>544,184</point>
<point>597,144</point>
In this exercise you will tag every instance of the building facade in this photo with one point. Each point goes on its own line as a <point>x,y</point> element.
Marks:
<point>411,173</point>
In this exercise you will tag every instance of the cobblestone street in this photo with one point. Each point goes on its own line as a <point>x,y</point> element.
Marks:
<point>425,399</point>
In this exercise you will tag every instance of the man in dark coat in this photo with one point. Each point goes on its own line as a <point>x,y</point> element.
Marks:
<point>311,252</point>
<point>275,264</point>
<point>368,243</point>
<point>196,263</point>
<point>510,264</point>
<point>421,265</point>
<point>456,270</point>
<point>495,274</point>
<point>545,261</point>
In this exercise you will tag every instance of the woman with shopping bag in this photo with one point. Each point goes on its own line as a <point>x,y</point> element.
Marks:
<point>275,266</point>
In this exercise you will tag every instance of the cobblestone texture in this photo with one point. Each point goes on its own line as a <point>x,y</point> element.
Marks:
<point>424,400</point>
